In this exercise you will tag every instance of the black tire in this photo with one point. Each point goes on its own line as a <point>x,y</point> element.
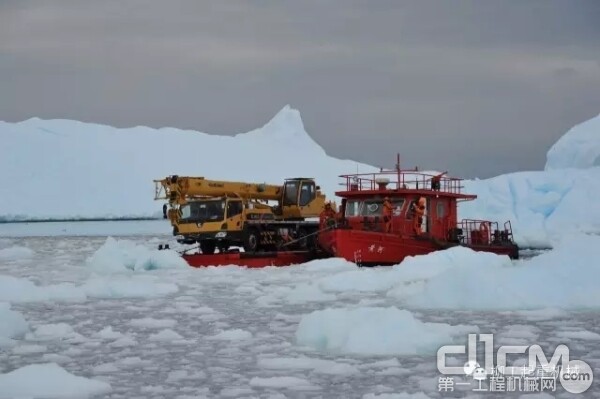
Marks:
<point>207,247</point>
<point>251,240</point>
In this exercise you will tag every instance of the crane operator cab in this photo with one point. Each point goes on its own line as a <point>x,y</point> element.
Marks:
<point>299,199</point>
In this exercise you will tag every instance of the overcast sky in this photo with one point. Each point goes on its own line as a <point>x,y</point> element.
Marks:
<point>475,87</point>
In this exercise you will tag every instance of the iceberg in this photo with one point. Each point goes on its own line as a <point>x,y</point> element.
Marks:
<point>92,171</point>
<point>579,148</point>
<point>89,171</point>
<point>542,206</point>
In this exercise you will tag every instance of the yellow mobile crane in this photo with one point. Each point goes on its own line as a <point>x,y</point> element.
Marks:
<point>220,214</point>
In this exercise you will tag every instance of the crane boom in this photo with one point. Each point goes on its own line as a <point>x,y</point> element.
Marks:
<point>178,189</point>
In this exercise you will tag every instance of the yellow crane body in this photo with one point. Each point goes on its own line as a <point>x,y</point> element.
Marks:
<point>220,214</point>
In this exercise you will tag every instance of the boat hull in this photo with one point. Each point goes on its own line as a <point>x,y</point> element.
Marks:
<point>251,260</point>
<point>369,248</point>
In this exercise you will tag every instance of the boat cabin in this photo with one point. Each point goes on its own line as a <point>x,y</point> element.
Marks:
<point>362,207</point>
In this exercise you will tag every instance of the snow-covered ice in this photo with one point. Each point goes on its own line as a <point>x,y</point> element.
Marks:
<point>120,255</point>
<point>123,342</point>
<point>27,349</point>
<point>282,382</point>
<point>107,333</point>
<point>85,314</point>
<point>232,335</point>
<point>126,287</point>
<point>48,381</point>
<point>564,278</point>
<point>12,323</point>
<point>15,253</point>
<point>325,328</point>
<point>149,322</point>
<point>306,363</point>
<point>375,331</point>
<point>166,335</point>
<point>462,279</point>
<point>16,289</point>
<point>51,332</point>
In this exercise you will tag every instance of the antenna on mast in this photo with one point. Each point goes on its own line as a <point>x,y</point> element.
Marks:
<point>398,169</point>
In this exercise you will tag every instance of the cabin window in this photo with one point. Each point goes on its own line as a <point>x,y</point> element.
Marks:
<point>372,208</point>
<point>186,211</point>
<point>307,193</point>
<point>234,208</point>
<point>291,193</point>
<point>203,211</point>
<point>441,210</point>
<point>352,208</point>
<point>214,210</point>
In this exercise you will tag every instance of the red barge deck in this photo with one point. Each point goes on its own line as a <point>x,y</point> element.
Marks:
<point>251,260</point>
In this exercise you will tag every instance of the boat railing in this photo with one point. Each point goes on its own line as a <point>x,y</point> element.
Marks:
<point>478,232</point>
<point>468,231</point>
<point>401,180</point>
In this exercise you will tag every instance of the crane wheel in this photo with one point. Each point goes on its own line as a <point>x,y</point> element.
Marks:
<point>251,240</point>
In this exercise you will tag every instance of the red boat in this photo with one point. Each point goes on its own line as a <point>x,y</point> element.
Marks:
<point>362,234</point>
